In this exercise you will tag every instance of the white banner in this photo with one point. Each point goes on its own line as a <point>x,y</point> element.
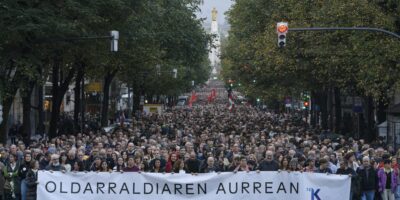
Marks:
<point>227,185</point>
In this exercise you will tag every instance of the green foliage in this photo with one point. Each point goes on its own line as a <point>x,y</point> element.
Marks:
<point>151,32</point>
<point>41,38</point>
<point>362,62</point>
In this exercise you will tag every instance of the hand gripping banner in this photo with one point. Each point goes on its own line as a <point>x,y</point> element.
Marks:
<point>210,186</point>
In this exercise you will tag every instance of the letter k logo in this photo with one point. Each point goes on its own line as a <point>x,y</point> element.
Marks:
<point>314,194</point>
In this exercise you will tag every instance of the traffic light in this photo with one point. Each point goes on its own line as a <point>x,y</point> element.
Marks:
<point>306,100</point>
<point>282,29</point>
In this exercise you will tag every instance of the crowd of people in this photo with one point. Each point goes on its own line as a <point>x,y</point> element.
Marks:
<point>205,139</point>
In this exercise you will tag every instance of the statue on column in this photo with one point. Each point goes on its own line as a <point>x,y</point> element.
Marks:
<point>214,13</point>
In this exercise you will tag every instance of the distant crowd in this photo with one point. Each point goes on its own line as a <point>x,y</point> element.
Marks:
<point>205,139</point>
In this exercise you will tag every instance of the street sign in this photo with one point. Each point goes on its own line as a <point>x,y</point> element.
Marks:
<point>357,105</point>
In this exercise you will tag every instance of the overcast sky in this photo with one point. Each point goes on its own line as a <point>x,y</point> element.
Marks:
<point>221,5</point>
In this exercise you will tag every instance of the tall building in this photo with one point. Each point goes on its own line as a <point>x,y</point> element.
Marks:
<point>215,49</point>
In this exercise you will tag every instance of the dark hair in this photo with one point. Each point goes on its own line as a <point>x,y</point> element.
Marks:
<point>101,165</point>
<point>80,165</point>
<point>323,161</point>
<point>283,158</point>
<point>387,161</point>
<point>386,156</point>
<point>177,165</point>
<point>32,164</point>
<point>348,155</point>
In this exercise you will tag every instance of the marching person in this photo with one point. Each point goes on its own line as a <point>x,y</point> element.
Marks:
<point>209,166</point>
<point>157,166</point>
<point>387,181</point>
<point>268,164</point>
<point>179,167</point>
<point>104,166</point>
<point>368,179</point>
<point>31,180</point>
<point>243,165</point>
<point>55,164</point>
<point>324,166</point>
<point>12,186</point>
<point>119,167</point>
<point>344,169</point>
<point>131,167</point>
<point>23,169</point>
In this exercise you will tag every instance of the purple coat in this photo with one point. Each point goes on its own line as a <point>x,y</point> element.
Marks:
<point>382,180</point>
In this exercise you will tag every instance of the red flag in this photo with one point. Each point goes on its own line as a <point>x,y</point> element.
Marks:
<point>213,94</point>
<point>192,99</point>
<point>231,103</point>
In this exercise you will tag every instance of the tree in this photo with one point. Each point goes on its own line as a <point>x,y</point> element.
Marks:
<point>352,62</point>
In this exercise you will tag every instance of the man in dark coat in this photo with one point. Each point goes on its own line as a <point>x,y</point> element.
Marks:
<point>209,166</point>
<point>269,164</point>
<point>192,164</point>
<point>31,180</point>
<point>368,179</point>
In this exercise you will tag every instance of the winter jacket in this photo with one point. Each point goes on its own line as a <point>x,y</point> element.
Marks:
<point>23,170</point>
<point>2,180</point>
<point>31,178</point>
<point>268,166</point>
<point>11,175</point>
<point>382,180</point>
<point>369,183</point>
